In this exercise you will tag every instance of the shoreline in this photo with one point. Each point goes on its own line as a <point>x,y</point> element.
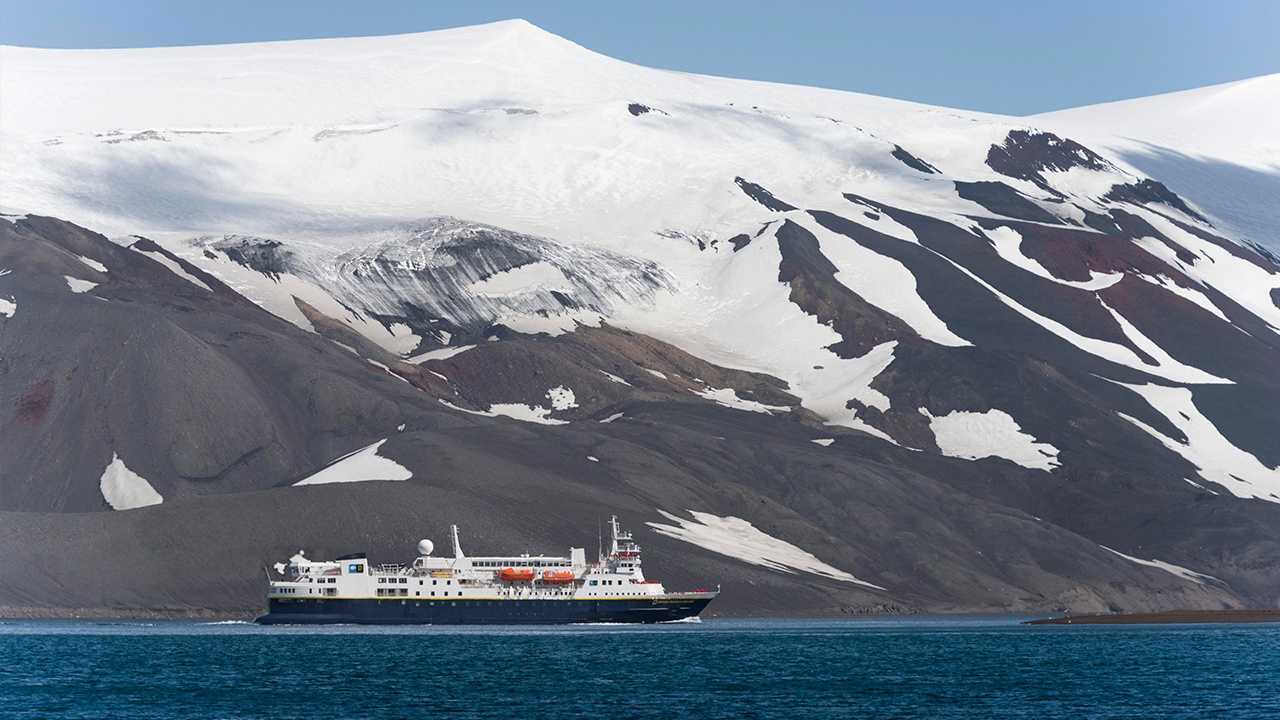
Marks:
<point>1166,617</point>
<point>10,613</point>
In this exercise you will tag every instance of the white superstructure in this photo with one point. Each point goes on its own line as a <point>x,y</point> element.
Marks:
<point>615,575</point>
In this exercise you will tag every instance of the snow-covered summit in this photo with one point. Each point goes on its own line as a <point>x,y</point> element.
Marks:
<point>1218,144</point>
<point>500,123</point>
<point>1237,121</point>
<point>298,82</point>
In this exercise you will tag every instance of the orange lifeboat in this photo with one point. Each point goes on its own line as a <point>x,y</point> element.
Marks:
<point>514,574</point>
<point>557,577</point>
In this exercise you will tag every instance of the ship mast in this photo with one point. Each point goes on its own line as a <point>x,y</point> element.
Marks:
<point>457,546</point>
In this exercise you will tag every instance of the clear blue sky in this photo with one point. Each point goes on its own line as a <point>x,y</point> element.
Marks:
<point>1016,57</point>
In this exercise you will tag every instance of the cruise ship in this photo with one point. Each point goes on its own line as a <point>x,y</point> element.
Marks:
<point>523,589</point>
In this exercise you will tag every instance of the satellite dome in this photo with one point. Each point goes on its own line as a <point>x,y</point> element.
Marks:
<point>425,547</point>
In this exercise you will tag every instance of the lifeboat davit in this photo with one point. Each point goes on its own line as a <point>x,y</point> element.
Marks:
<point>557,577</point>
<point>514,574</point>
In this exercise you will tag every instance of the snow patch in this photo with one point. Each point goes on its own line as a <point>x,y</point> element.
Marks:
<point>561,398</point>
<point>1218,460</point>
<point>739,539</point>
<point>593,458</point>
<point>1198,486</point>
<point>79,286</point>
<point>363,465</point>
<point>553,324</point>
<point>528,413</point>
<point>523,279</point>
<point>515,411</point>
<point>439,354</point>
<point>1194,296</point>
<point>92,263</point>
<point>8,307</point>
<point>173,266</point>
<point>972,436</point>
<point>386,369</point>
<point>124,489</point>
<point>611,418</point>
<point>616,379</point>
<point>824,442</point>
<point>1178,570</point>
<point>1144,343</point>
<point>728,398</point>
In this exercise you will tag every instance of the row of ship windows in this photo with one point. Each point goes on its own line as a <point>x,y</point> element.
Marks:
<point>404,592</point>
<point>520,563</point>
<point>402,581</point>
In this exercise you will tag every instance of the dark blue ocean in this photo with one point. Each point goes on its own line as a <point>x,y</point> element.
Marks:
<point>972,668</point>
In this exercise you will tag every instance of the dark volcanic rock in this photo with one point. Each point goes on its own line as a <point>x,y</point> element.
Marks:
<point>1004,200</point>
<point>1026,155</point>
<point>762,196</point>
<point>268,257</point>
<point>912,161</point>
<point>815,290</point>
<point>1151,191</point>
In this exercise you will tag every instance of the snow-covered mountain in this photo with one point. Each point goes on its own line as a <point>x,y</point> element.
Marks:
<point>938,350</point>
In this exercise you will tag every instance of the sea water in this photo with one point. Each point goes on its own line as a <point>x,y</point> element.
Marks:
<point>970,668</point>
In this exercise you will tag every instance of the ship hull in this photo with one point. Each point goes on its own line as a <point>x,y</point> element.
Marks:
<point>369,611</point>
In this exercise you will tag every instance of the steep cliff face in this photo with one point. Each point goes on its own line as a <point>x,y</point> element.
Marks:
<point>968,364</point>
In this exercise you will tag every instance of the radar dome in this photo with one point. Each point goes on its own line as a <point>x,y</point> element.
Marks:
<point>425,547</point>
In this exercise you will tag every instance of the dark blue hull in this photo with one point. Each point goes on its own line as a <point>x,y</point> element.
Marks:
<point>369,611</point>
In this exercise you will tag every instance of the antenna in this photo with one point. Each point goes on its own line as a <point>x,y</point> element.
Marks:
<point>599,542</point>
